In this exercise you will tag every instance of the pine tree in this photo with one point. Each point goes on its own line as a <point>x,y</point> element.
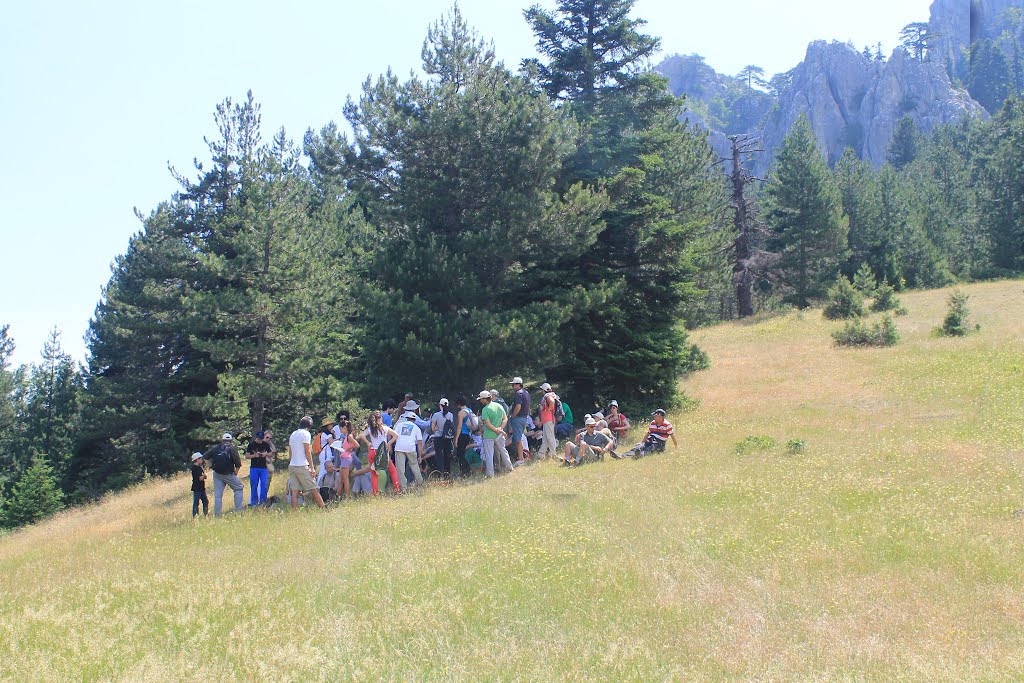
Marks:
<point>805,216</point>
<point>858,188</point>
<point>12,381</point>
<point>1002,186</point>
<point>989,78</point>
<point>903,148</point>
<point>627,342</point>
<point>460,177</point>
<point>35,495</point>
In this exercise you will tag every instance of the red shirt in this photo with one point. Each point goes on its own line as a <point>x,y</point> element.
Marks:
<point>660,431</point>
<point>618,424</point>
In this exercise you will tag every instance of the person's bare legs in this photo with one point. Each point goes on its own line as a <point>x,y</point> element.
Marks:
<point>318,498</point>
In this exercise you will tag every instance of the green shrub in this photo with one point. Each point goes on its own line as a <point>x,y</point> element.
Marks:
<point>859,333</point>
<point>695,359</point>
<point>958,315</point>
<point>886,300</point>
<point>844,301</point>
<point>755,444</point>
<point>34,496</point>
<point>794,446</point>
<point>864,280</point>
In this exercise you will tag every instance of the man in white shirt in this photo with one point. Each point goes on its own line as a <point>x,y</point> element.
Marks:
<point>409,445</point>
<point>300,468</point>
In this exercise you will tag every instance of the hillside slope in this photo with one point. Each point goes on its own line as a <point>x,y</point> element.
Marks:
<point>888,549</point>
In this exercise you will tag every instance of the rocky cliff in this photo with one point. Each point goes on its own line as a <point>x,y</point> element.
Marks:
<point>957,24</point>
<point>851,100</point>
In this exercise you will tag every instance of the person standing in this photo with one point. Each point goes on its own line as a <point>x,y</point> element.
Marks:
<point>199,486</point>
<point>464,419</point>
<point>268,438</point>
<point>409,445</point>
<point>494,420</point>
<point>517,418</point>
<point>226,463</point>
<point>300,467</point>
<point>548,403</point>
<point>388,408</point>
<point>257,454</point>
<point>379,438</point>
<point>442,431</point>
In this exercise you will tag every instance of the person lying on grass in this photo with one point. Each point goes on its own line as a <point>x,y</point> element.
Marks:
<point>658,434</point>
<point>590,445</point>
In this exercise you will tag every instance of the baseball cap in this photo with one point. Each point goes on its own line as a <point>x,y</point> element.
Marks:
<point>659,411</point>
<point>443,402</point>
<point>614,403</point>
<point>197,456</point>
<point>259,434</point>
<point>545,387</point>
<point>516,380</point>
<point>227,436</point>
<point>484,394</point>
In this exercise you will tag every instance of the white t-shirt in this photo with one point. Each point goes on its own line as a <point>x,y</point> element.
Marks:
<point>325,457</point>
<point>437,421</point>
<point>376,441</point>
<point>408,435</point>
<point>296,443</point>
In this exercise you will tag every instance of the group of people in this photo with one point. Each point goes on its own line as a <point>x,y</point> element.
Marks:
<point>405,444</point>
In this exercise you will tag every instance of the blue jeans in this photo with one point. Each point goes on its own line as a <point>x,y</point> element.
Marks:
<point>258,483</point>
<point>518,425</point>
<point>198,496</point>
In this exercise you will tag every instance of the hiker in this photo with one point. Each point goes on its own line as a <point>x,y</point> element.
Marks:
<point>565,428</point>
<point>465,424</point>
<point>442,431</point>
<point>590,445</point>
<point>268,438</point>
<point>409,445</point>
<point>517,418</point>
<point>658,434</point>
<point>257,453</point>
<point>226,463</point>
<point>324,437</point>
<point>617,422</point>
<point>346,446</point>
<point>327,473</point>
<point>401,410</point>
<point>387,412</point>
<point>494,420</point>
<point>496,397</point>
<point>300,467</point>
<point>548,418</point>
<point>378,438</point>
<point>199,486</point>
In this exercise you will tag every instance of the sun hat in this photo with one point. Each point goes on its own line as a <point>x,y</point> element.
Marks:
<point>326,422</point>
<point>484,394</point>
<point>599,415</point>
<point>591,422</point>
<point>411,405</point>
<point>545,387</point>
<point>197,456</point>
<point>516,380</point>
<point>227,436</point>
<point>337,444</point>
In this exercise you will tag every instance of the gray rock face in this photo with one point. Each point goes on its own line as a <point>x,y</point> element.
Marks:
<point>853,101</point>
<point>958,23</point>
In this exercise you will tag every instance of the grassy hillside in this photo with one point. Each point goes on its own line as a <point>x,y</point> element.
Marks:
<point>888,549</point>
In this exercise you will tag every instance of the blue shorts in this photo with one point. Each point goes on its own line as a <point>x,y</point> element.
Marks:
<point>518,425</point>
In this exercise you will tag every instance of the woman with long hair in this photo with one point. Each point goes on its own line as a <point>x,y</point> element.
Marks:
<point>379,438</point>
<point>346,445</point>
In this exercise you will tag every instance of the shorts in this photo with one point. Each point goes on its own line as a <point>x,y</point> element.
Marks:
<point>518,425</point>
<point>300,479</point>
<point>346,462</point>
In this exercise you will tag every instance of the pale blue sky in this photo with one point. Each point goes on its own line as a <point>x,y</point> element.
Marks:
<point>96,98</point>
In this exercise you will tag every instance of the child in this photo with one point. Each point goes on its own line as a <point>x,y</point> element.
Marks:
<point>199,486</point>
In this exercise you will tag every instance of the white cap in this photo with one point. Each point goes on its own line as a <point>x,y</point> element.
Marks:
<point>197,456</point>
<point>591,422</point>
<point>614,403</point>
<point>545,387</point>
<point>226,437</point>
<point>443,402</point>
<point>484,394</point>
<point>411,405</point>
<point>516,380</point>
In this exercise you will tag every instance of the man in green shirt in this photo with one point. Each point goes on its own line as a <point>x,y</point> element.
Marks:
<point>494,418</point>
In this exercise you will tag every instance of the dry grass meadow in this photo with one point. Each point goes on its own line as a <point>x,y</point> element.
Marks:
<point>888,549</point>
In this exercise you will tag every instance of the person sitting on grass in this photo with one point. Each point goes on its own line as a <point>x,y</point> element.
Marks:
<point>617,422</point>
<point>199,486</point>
<point>658,434</point>
<point>590,445</point>
<point>361,484</point>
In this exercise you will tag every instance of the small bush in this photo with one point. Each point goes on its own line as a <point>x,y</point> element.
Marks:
<point>864,280</point>
<point>794,446</point>
<point>695,359</point>
<point>886,300</point>
<point>958,315</point>
<point>755,444</point>
<point>844,301</point>
<point>859,333</point>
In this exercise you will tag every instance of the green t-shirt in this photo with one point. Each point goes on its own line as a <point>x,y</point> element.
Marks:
<point>496,414</point>
<point>568,413</point>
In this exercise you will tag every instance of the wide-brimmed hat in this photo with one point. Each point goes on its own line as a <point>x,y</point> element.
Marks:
<point>591,422</point>
<point>337,444</point>
<point>484,394</point>
<point>516,380</point>
<point>411,405</point>
<point>197,456</point>
<point>326,422</point>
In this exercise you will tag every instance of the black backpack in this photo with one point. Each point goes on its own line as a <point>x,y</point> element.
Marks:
<point>448,431</point>
<point>222,463</point>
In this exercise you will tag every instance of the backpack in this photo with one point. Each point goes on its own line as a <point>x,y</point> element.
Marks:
<point>222,463</point>
<point>448,431</point>
<point>473,420</point>
<point>559,410</point>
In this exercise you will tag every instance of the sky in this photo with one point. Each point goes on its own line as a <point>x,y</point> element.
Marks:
<point>96,99</point>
